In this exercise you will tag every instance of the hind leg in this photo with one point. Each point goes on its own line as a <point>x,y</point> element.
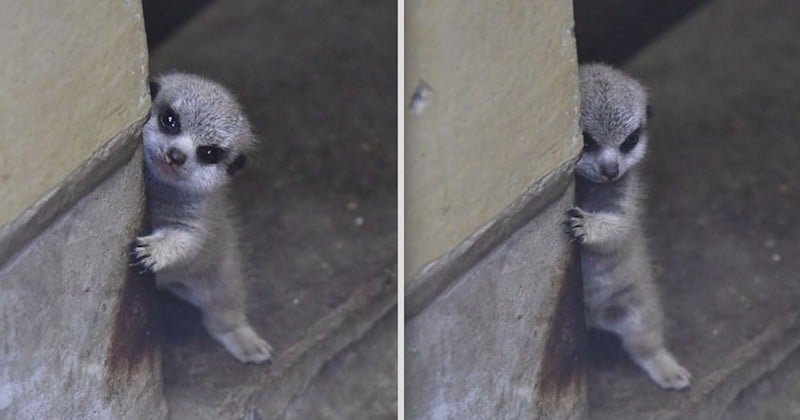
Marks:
<point>643,338</point>
<point>222,306</point>
<point>225,321</point>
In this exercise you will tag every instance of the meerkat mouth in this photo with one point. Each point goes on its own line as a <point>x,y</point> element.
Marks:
<point>160,165</point>
<point>603,180</point>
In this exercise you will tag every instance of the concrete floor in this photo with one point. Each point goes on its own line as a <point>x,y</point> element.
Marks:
<point>317,200</point>
<point>612,31</point>
<point>723,208</point>
<point>723,213</point>
<point>359,383</point>
<point>773,397</point>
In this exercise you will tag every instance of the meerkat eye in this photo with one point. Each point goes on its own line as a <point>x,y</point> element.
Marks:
<point>631,141</point>
<point>210,154</point>
<point>169,121</point>
<point>589,144</point>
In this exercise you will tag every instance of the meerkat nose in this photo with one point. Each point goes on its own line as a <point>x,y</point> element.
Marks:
<point>175,156</point>
<point>610,170</point>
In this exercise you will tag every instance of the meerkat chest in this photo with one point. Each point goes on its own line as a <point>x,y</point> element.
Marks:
<point>594,197</point>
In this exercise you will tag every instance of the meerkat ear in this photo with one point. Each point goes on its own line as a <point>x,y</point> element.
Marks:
<point>649,111</point>
<point>237,164</point>
<point>154,87</point>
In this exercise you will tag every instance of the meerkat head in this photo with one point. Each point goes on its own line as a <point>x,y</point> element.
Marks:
<point>197,133</point>
<point>614,113</point>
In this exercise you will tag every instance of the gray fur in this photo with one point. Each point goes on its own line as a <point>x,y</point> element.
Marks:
<point>619,291</point>
<point>193,248</point>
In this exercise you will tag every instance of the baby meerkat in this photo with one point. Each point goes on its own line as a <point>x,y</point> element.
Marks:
<point>194,140</point>
<point>619,291</point>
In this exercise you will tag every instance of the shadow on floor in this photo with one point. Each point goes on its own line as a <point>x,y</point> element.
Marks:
<point>612,31</point>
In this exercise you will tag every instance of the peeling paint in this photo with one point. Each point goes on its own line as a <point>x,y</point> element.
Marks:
<point>419,100</point>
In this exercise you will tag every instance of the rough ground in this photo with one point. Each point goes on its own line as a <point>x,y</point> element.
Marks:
<point>359,383</point>
<point>317,200</point>
<point>723,212</point>
<point>612,31</point>
<point>773,397</point>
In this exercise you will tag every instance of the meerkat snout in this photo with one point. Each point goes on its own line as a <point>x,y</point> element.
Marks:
<point>175,156</point>
<point>610,170</point>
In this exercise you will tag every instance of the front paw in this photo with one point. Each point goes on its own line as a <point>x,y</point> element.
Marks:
<point>575,225</point>
<point>147,252</point>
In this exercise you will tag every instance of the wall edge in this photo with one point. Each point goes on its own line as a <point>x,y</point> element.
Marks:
<point>116,152</point>
<point>440,274</point>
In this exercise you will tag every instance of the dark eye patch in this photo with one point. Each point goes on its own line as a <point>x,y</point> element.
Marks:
<point>631,141</point>
<point>589,144</point>
<point>169,121</point>
<point>210,154</point>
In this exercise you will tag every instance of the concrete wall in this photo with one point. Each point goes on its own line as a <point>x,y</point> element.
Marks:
<point>505,341</point>
<point>73,75</point>
<point>494,315</point>
<point>79,328</point>
<point>501,113</point>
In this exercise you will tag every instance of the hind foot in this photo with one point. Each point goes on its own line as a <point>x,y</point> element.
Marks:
<point>666,372</point>
<point>245,345</point>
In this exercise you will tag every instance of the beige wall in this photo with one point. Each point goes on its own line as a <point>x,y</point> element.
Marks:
<point>73,76</point>
<point>502,113</point>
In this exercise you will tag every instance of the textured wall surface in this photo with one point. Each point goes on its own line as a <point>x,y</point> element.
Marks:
<point>73,76</point>
<point>501,114</point>
<point>78,327</point>
<point>496,327</point>
<point>506,340</point>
